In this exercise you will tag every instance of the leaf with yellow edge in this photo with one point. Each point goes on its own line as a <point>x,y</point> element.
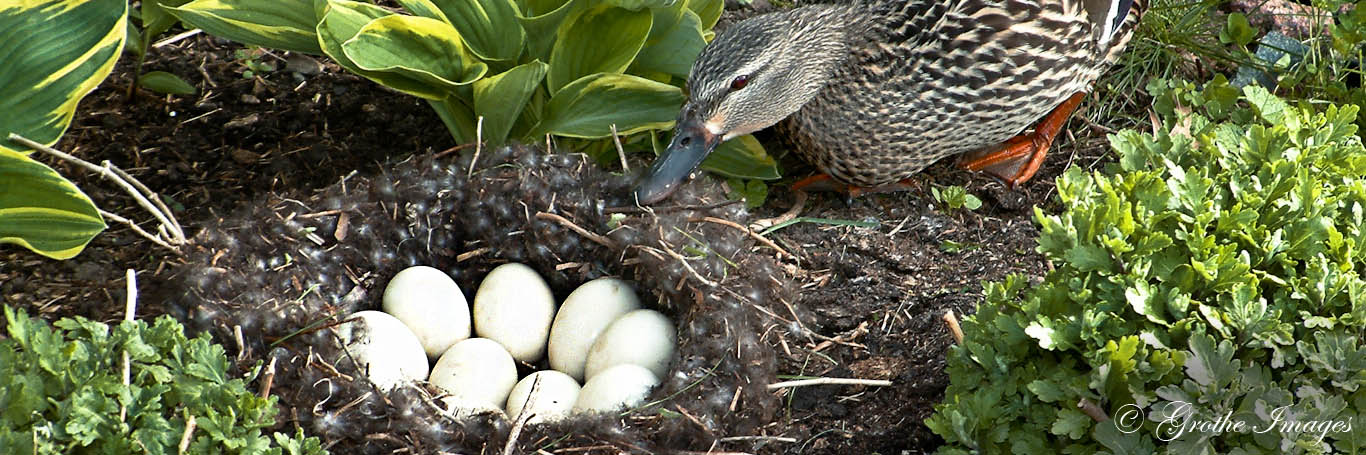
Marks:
<point>53,54</point>
<point>41,210</point>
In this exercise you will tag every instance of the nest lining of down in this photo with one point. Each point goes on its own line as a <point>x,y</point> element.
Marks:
<point>276,271</point>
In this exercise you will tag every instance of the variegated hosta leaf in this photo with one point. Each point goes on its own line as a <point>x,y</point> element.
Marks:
<point>275,24</point>
<point>588,107</point>
<point>43,211</point>
<point>418,48</point>
<point>604,39</point>
<point>53,53</point>
<point>488,27</point>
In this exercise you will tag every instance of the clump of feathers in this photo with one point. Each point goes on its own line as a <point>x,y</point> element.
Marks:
<point>271,278</point>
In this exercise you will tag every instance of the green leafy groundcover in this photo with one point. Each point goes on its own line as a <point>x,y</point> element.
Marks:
<point>63,392</point>
<point>1207,298</point>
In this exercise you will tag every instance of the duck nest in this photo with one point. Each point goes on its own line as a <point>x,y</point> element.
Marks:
<point>269,279</point>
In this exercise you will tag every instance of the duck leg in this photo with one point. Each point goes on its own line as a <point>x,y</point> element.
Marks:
<point>1016,161</point>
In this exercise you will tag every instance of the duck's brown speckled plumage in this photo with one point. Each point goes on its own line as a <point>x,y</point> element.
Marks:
<point>931,80</point>
<point>873,92</point>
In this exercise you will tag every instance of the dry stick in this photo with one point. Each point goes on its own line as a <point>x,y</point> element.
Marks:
<point>522,418</point>
<point>268,379</point>
<point>797,206</point>
<point>175,224</point>
<point>129,308</point>
<point>620,153</point>
<point>756,438</point>
<point>137,229</point>
<point>755,235</point>
<point>688,266</point>
<point>829,381</point>
<point>462,257</point>
<point>478,145</point>
<point>1090,409</point>
<point>952,321</point>
<point>106,173</point>
<point>185,438</point>
<point>595,237</point>
<point>176,38</point>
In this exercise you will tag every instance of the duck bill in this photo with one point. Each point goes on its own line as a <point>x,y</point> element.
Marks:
<point>691,144</point>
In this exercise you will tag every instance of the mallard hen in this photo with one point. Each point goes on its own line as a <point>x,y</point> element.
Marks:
<point>873,92</point>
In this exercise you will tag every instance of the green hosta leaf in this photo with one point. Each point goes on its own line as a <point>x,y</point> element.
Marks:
<point>155,19</point>
<point>677,50</point>
<point>599,40</point>
<point>637,5</point>
<point>164,82</point>
<point>588,107</point>
<point>275,24</point>
<point>489,27</point>
<point>53,54</point>
<point>43,211</point>
<point>666,17</point>
<point>421,48</point>
<point>501,98</point>
<point>416,55</point>
<point>458,117</point>
<point>541,19</point>
<point>742,157</point>
<point>709,11</point>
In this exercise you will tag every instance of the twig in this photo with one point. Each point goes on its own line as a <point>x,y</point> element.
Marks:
<point>462,257</point>
<point>797,206</point>
<point>668,208</point>
<point>522,418</point>
<point>595,237</point>
<point>175,224</point>
<point>756,438</point>
<point>951,320</point>
<point>620,153</point>
<point>138,229</point>
<point>189,432</point>
<point>268,378</point>
<point>829,381</point>
<point>688,266</point>
<point>129,309</point>
<point>751,233</point>
<point>177,236</point>
<point>478,145</point>
<point>1090,409</point>
<point>176,38</point>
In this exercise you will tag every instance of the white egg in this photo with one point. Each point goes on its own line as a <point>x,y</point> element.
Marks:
<point>514,307</point>
<point>555,395</point>
<point>583,316</point>
<point>383,348</point>
<point>622,386</point>
<point>477,373</point>
<point>430,303</point>
<point>640,337</point>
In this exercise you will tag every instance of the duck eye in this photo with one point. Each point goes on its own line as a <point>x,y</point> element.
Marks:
<point>739,82</point>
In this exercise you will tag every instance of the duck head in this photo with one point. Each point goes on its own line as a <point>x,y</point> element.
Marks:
<point>754,74</point>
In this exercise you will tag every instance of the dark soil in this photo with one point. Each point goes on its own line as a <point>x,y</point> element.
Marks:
<point>875,295</point>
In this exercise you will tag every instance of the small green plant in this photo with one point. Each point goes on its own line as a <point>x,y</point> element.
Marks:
<point>753,192</point>
<point>956,197</point>
<point>498,70</point>
<point>64,392</point>
<point>155,20</point>
<point>1216,274</point>
<point>252,64</point>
